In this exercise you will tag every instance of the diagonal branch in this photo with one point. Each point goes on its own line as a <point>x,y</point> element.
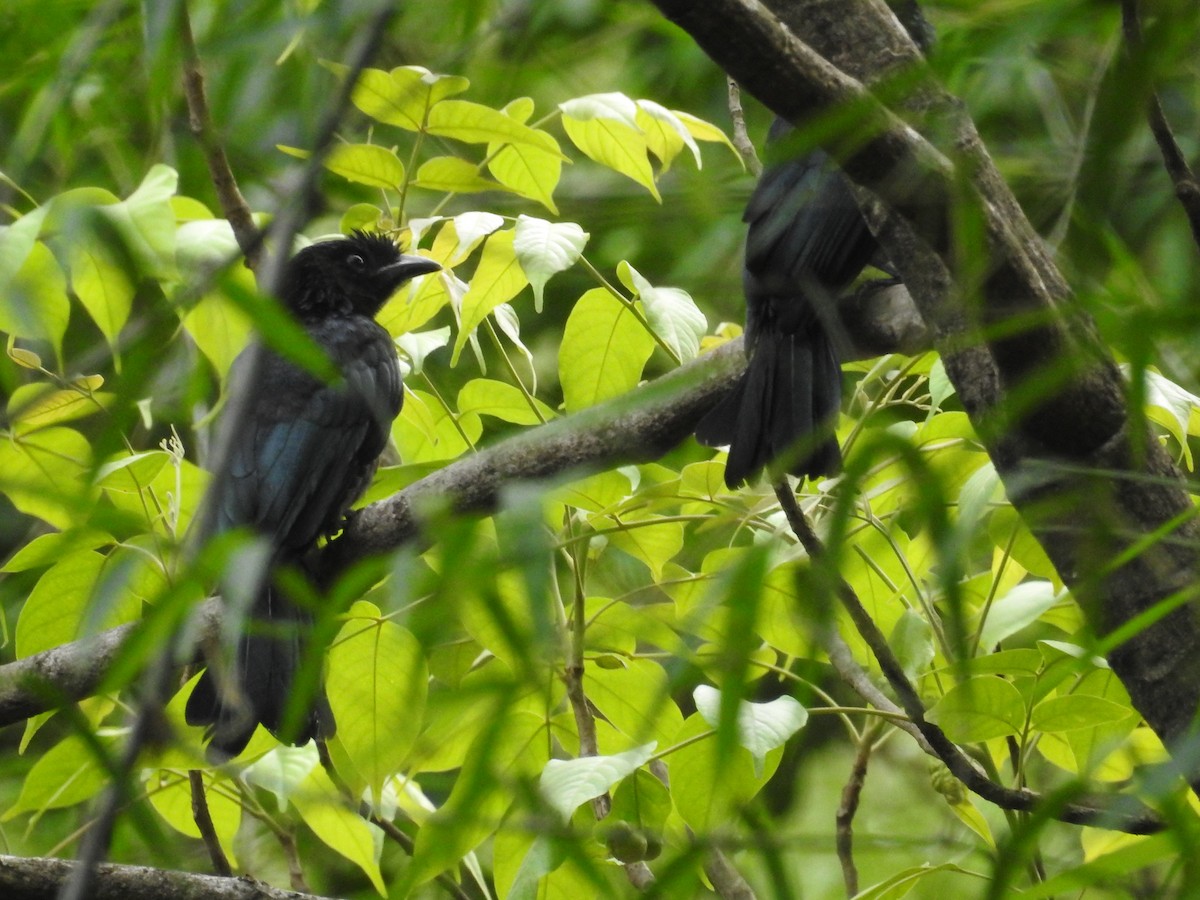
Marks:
<point>1187,189</point>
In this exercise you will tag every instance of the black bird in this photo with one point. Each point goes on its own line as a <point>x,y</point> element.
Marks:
<point>807,241</point>
<point>299,452</point>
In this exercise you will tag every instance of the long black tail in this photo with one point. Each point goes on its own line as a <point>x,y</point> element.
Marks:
<point>258,685</point>
<point>782,411</point>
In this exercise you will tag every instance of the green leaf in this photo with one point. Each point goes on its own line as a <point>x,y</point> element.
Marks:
<point>498,278</point>
<point>486,397</point>
<point>604,126</point>
<point>912,641</point>
<point>146,220</point>
<point>418,302</point>
<point>366,164</point>
<point>325,811</point>
<point>58,606</point>
<point>671,312</point>
<point>283,771</point>
<point>417,345</point>
<point>979,709</point>
<point>426,432</point>
<point>603,351</point>
<point>44,474</point>
<point>454,176</point>
<point>544,249</point>
<point>403,96</point>
<point>1019,607</point>
<point>66,774</point>
<point>49,548</point>
<point>34,303</point>
<point>636,700</point>
<point>377,684</point>
<point>654,543</point>
<point>1071,711</point>
<point>708,786</point>
<point>220,328</point>
<point>665,133</point>
<point>527,170</point>
<point>34,406</point>
<point>102,284</point>
<point>899,884</point>
<point>762,727</point>
<point>474,123</point>
<point>566,784</point>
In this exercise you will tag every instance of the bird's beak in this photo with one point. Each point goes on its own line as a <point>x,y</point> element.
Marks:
<point>407,267</point>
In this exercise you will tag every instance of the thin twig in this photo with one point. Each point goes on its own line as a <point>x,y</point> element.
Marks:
<point>851,794</point>
<point>1119,813</point>
<point>233,204</point>
<point>741,140</point>
<point>203,819</point>
<point>1187,189</point>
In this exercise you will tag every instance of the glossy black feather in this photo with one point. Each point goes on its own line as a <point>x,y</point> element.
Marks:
<point>806,241</point>
<point>299,454</point>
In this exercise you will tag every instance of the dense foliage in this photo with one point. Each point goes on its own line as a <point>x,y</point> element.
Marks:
<point>639,638</point>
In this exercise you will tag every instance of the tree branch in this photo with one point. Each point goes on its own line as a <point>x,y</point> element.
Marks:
<point>1187,189</point>
<point>36,878</point>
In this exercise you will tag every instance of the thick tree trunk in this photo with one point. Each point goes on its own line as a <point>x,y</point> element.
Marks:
<point>1099,493</point>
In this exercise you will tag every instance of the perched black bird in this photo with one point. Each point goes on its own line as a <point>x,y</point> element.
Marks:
<point>300,452</point>
<point>807,240</point>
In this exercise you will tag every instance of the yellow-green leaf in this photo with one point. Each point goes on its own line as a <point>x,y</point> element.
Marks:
<point>43,474</point>
<point>454,176</point>
<point>170,793</point>
<point>34,304</point>
<point>604,126</point>
<point>498,278</point>
<point>66,774</point>
<point>487,397</point>
<point>603,351</point>
<point>425,431</point>
<point>474,123</point>
<point>403,96</point>
<point>377,684</point>
<point>366,164</point>
<point>326,812</point>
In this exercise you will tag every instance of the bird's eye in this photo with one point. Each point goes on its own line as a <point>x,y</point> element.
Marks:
<point>355,261</point>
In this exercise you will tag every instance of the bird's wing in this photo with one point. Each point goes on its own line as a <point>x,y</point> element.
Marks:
<point>306,449</point>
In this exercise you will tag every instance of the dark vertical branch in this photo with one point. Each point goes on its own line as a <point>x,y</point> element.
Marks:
<point>848,807</point>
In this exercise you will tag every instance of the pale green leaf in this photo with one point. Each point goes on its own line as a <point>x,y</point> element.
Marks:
<point>671,313</point>
<point>498,278</point>
<point>568,783</point>
<point>403,96</point>
<point>545,248</point>
<point>66,774</point>
<point>1018,608</point>
<point>34,303</point>
<point>665,133</point>
<point>762,727</point>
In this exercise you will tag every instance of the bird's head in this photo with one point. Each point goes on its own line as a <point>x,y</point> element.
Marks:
<point>354,274</point>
